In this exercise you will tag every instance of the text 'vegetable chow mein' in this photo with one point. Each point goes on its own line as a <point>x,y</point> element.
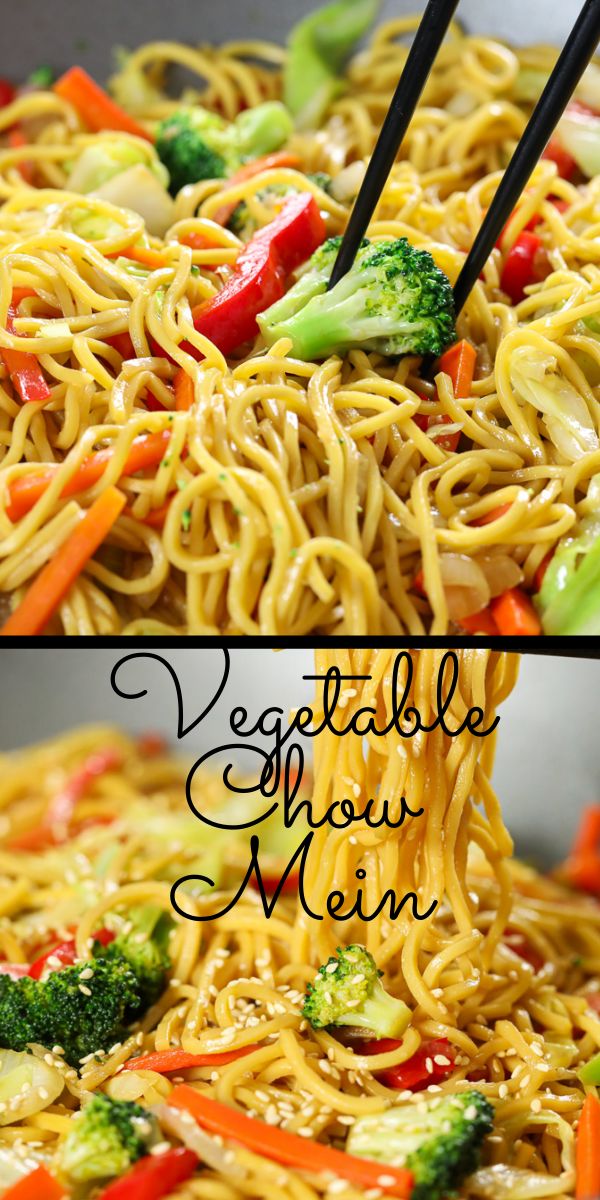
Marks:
<point>142,1050</point>
<point>197,438</point>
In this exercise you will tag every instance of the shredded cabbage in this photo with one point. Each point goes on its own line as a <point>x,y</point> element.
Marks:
<point>536,378</point>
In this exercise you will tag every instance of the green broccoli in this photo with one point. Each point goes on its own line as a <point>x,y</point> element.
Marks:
<point>143,947</point>
<point>347,991</point>
<point>106,1138</point>
<point>243,224</point>
<point>197,144</point>
<point>82,1008</point>
<point>393,300</point>
<point>438,1140</point>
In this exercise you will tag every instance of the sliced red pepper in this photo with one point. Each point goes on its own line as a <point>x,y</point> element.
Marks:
<point>25,372</point>
<point>66,953</point>
<point>229,318</point>
<point>271,883</point>
<point>518,943</point>
<point>165,1061</point>
<point>412,1075</point>
<point>583,872</point>
<point>151,744</point>
<point>490,516</point>
<point>481,622</point>
<point>556,153</point>
<point>123,343</point>
<point>38,1185</point>
<point>17,139</point>
<point>587,838</point>
<point>7,93</point>
<point>448,441</point>
<point>519,269</point>
<point>532,224</point>
<point>54,827</point>
<point>153,1177</point>
<point>538,578</point>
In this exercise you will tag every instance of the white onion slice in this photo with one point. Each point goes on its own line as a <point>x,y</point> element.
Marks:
<point>502,1182</point>
<point>208,1149</point>
<point>27,1085</point>
<point>501,572</point>
<point>465,585</point>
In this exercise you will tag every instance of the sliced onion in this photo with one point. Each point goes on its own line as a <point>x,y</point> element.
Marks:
<point>15,1165</point>
<point>208,1149</point>
<point>465,585</point>
<point>502,1182</point>
<point>346,185</point>
<point>27,1085</point>
<point>501,572</point>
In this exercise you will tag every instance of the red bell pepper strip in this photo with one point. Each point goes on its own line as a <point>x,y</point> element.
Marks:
<point>448,441</point>
<point>62,806</point>
<point>153,1177</point>
<point>66,953</point>
<point>538,578</point>
<point>164,1061</point>
<point>587,838</point>
<point>38,1185</point>
<point>519,269</point>
<point>493,515</point>
<point>519,944</point>
<point>24,370</point>
<point>583,873</point>
<point>271,883</point>
<point>229,318</point>
<point>95,108</point>
<point>150,745</point>
<point>419,1070</point>
<point>515,615</point>
<point>556,153</point>
<point>7,93</point>
<point>287,1148</point>
<point>17,139</point>
<point>481,622</point>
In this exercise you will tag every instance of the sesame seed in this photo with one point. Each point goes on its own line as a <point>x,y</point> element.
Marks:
<point>305,1131</point>
<point>441,1060</point>
<point>536,1105</point>
<point>87,973</point>
<point>471,1112</point>
<point>386,1180</point>
<point>503,1091</point>
<point>85,991</point>
<point>160,1148</point>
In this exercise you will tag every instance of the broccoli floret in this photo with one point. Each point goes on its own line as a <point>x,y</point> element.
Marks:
<point>322,180</point>
<point>394,300</point>
<point>196,144</point>
<point>81,1014</point>
<point>244,225</point>
<point>144,949</point>
<point>439,1141</point>
<point>106,1138</point>
<point>347,991</point>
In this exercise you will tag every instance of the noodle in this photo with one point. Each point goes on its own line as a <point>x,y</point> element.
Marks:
<point>295,497</point>
<point>519,1031</point>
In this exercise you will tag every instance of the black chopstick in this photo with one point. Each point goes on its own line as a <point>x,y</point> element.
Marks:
<point>421,56</point>
<point>574,58</point>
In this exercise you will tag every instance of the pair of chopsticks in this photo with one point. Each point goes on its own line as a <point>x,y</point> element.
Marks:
<point>574,58</point>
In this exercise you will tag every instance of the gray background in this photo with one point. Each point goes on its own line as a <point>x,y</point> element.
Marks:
<point>548,762</point>
<point>61,31</point>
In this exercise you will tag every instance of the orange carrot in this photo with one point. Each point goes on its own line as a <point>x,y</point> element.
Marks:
<point>493,515</point>
<point>55,579</point>
<point>481,622</point>
<point>17,139</point>
<point>142,254</point>
<point>515,615</point>
<point>268,162</point>
<point>25,491</point>
<point>587,1152</point>
<point>94,106</point>
<point>459,363</point>
<point>281,1146</point>
<point>583,872</point>
<point>164,1061</point>
<point>38,1185</point>
<point>587,839</point>
<point>184,391</point>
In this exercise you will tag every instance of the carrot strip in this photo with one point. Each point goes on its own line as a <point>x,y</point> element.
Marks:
<point>459,363</point>
<point>94,105</point>
<point>55,579</point>
<point>164,1061</point>
<point>587,839</point>
<point>493,515</point>
<point>587,1151</point>
<point>515,615</point>
<point>38,1185</point>
<point>583,872</point>
<point>288,1148</point>
<point>25,491</point>
<point>184,391</point>
<point>142,254</point>
<point>17,139</point>
<point>250,170</point>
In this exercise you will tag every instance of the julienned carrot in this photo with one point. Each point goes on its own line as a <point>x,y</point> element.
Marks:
<point>55,579</point>
<point>25,491</point>
<point>583,873</point>
<point>184,391</point>
<point>165,1061</point>
<point>587,838</point>
<point>269,162</point>
<point>587,1152</point>
<point>16,140</point>
<point>459,363</point>
<point>288,1148</point>
<point>94,106</point>
<point>38,1185</point>
<point>515,615</point>
<point>143,254</point>
<point>493,515</point>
